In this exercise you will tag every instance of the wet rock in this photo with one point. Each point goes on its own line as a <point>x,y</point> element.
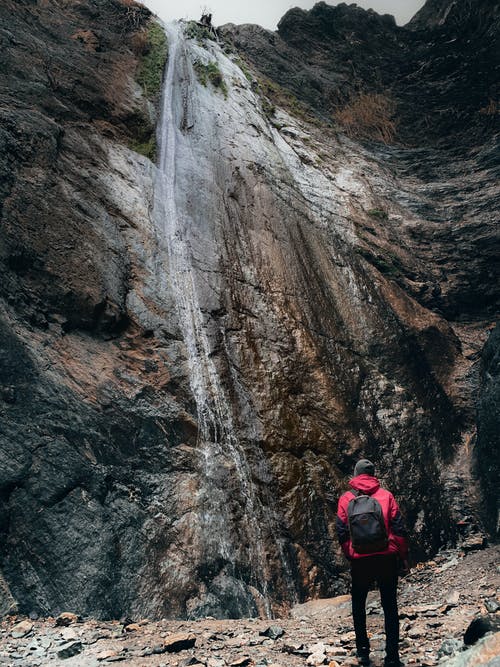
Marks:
<point>21,629</point>
<point>69,650</point>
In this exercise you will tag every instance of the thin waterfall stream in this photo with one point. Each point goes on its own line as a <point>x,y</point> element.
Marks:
<point>219,530</point>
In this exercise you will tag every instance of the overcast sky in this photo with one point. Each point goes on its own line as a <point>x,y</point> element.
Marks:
<point>267,13</point>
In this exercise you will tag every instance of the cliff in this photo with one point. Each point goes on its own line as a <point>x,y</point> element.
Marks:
<point>194,354</point>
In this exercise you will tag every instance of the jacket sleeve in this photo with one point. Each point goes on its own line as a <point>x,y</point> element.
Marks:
<point>398,529</point>
<point>342,525</point>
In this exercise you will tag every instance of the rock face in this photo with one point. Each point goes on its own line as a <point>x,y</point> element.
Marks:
<point>445,59</point>
<point>194,355</point>
<point>487,449</point>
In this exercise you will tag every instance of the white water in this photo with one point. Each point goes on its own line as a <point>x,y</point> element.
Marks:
<point>218,441</point>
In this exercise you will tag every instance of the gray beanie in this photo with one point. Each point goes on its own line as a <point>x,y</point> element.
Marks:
<point>364,467</point>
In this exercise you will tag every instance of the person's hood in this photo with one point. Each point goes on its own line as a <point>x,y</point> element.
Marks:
<point>365,483</point>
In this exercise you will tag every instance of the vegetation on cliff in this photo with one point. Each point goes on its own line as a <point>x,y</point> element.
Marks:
<point>210,73</point>
<point>153,43</point>
<point>150,44</point>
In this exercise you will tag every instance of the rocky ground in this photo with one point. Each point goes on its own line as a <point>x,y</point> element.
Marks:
<point>438,601</point>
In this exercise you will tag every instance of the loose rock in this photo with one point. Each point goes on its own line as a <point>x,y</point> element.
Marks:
<point>273,632</point>
<point>21,629</point>
<point>179,642</point>
<point>66,618</point>
<point>69,650</point>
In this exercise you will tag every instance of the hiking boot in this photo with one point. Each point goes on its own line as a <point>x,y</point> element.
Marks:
<point>363,655</point>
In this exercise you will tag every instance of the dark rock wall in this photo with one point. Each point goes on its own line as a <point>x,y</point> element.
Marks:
<point>359,338</point>
<point>329,55</point>
<point>92,407</point>
<point>487,448</point>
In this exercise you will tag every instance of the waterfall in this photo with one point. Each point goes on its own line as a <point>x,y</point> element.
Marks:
<point>186,232</point>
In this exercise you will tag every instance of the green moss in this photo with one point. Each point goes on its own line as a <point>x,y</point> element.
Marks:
<point>378,213</point>
<point>146,148</point>
<point>194,30</point>
<point>151,68</point>
<point>246,72</point>
<point>210,73</point>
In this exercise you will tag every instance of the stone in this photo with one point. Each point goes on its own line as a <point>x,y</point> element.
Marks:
<point>479,626</point>
<point>297,648</point>
<point>491,605</point>
<point>449,647</point>
<point>21,629</point>
<point>316,659</point>
<point>105,655</point>
<point>158,649</point>
<point>273,632</point>
<point>242,662</point>
<point>216,662</point>
<point>179,642</point>
<point>69,650</point>
<point>132,627</point>
<point>485,653</point>
<point>189,662</point>
<point>66,618</point>
<point>415,633</point>
<point>68,634</point>
<point>474,542</point>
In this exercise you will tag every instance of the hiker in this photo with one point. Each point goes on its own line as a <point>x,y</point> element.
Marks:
<point>372,534</point>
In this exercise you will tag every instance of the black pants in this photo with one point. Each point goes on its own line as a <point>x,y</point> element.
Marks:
<point>384,571</point>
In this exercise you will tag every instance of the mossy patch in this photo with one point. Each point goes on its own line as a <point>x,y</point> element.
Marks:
<point>210,73</point>
<point>378,213</point>
<point>152,65</point>
<point>146,148</point>
<point>151,46</point>
<point>200,33</point>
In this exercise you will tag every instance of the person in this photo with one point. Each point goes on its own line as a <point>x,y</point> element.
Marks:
<point>381,566</point>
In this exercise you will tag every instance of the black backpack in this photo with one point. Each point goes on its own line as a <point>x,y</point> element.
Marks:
<point>366,525</point>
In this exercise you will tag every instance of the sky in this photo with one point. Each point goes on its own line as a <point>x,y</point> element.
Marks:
<point>267,13</point>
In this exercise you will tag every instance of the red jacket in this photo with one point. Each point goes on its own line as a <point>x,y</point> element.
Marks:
<point>393,520</point>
